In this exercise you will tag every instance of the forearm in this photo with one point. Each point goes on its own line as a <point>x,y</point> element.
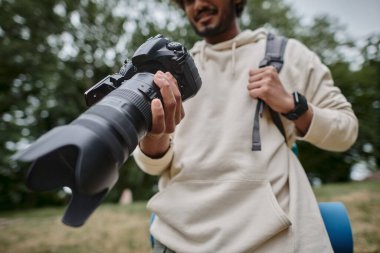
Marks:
<point>303,122</point>
<point>153,166</point>
<point>334,130</point>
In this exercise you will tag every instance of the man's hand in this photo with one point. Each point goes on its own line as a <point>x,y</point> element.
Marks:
<point>265,84</point>
<point>165,116</point>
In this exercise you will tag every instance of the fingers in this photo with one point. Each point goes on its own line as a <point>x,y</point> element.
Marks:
<point>179,112</point>
<point>169,101</point>
<point>171,107</point>
<point>265,84</point>
<point>261,81</point>
<point>256,75</point>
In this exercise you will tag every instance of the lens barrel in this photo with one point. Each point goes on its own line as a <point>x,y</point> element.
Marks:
<point>119,120</point>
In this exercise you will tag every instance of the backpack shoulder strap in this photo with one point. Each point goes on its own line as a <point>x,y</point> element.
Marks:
<point>274,52</point>
<point>274,56</point>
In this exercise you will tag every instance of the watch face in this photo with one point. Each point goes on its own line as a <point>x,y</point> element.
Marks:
<point>296,98</point>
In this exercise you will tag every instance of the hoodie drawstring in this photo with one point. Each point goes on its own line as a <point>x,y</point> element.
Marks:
<point>233,57</point>
<point>203,49</point>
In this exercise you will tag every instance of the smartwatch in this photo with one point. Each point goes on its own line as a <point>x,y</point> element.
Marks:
<point>300,107</point>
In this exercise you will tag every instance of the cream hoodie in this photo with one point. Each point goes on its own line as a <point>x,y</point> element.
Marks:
<point>216,195</point>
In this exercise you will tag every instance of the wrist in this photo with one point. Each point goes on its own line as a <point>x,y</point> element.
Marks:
<point>303,122</point>
<point>155,145</point>
<point>288,104</point>
<point>300,107</point>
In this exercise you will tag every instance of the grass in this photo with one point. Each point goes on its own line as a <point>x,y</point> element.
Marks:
<point>114,228</point>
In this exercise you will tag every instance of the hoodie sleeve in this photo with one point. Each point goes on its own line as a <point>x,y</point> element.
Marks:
<point>334,126</point>
<point>152,166</point>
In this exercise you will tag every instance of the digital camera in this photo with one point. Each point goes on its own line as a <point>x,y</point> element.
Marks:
<point>87,154</point>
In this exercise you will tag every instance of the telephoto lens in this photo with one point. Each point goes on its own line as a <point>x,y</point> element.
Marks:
<point>86,155</point>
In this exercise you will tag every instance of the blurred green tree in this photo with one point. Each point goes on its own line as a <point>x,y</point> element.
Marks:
<point>366,102</point>
<point>26,74</point>
<point>52,52</point>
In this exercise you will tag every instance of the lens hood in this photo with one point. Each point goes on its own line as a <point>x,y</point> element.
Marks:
<point>60,158</point>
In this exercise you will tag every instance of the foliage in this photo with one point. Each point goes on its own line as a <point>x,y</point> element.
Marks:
<point>274,15</point>
<point>52,51</point>
<point>28,66</point>
<point>366,102</point>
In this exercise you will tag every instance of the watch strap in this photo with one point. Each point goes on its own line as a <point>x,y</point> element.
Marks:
<point>300,106</point>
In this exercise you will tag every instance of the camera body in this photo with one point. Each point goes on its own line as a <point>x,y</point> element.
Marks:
<point>157,53</point>
<point>86,154</point>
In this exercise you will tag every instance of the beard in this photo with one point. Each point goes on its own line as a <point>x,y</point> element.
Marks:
<point>220,27</point>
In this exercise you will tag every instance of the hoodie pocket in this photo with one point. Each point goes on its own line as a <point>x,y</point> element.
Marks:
<point>204,215</point>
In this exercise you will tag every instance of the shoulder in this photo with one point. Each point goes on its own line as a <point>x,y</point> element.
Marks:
<point>298,55</point>
<point>296,49</point>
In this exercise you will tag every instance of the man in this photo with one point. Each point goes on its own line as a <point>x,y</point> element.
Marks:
<point>216,195</point>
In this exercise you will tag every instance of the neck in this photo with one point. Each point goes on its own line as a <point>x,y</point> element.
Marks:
<point>229,34</point>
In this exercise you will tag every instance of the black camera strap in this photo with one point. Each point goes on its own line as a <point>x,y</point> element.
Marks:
<point>274,56</point>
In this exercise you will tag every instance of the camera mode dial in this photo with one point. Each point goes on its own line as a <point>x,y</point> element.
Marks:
<point>174,46</point>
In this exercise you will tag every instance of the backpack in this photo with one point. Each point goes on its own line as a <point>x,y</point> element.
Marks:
<point>274,56</point>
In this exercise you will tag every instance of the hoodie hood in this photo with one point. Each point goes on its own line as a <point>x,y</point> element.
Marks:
<point>248,36</point>
<point>242,38</point>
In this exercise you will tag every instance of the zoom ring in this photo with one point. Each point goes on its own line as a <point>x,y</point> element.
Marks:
<point>137,100</point>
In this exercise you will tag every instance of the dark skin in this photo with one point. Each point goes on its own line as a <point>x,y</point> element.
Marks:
<point>165,116</point>
<point>215,21</point>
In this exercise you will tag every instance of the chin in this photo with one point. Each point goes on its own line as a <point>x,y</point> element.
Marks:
<point>207,31</point>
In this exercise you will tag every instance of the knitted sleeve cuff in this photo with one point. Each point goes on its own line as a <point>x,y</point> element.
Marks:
<point>153,166</point>
<point>329,131</point>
